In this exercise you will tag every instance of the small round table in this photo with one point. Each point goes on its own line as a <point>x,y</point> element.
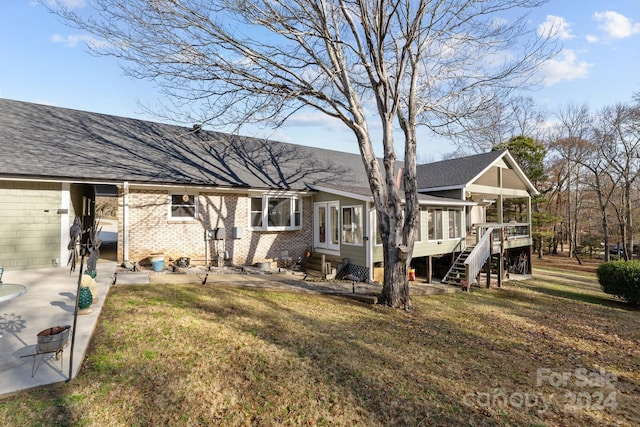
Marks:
<point>11,290</point>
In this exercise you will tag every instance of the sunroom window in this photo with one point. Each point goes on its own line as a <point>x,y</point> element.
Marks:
<point>352,225</point>
<point>434,231</point>
<point>455,223</point>
<point>418,230</point>
<point>275,213</point>
<point>183,206</point>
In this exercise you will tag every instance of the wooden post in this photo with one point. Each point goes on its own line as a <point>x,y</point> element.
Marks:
<point>466,275</point>
<point>429,269</point>
<point>323,267</point>
<point>487,269</point>
<point>500,268</point>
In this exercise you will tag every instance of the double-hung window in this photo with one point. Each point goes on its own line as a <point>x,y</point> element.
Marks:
<point>275,213</point>
<point>352,225</point>
<point>183,206</point>
<point>455,223</point>
<point>434,231</point>
<point>418,230</point>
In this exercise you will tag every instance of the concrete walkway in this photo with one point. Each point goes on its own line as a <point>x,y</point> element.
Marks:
<point>50,301</point>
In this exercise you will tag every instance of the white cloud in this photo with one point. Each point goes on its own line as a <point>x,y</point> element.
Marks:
<point>555,26</point>
<point>616,25</point>
<point>592,39</point>
<point>72,40</point>
<point>564,67</point>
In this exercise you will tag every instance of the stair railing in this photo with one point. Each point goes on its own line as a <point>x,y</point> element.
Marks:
<point>479,255</point>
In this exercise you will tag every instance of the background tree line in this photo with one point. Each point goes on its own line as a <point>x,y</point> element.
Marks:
<point>584,163</point>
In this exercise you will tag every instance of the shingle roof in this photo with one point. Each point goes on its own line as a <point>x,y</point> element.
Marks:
<point>59,143</point>
<point>454,173</point>
<point>365,194</point>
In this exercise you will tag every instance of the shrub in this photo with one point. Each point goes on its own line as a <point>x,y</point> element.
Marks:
<point>622,279</point>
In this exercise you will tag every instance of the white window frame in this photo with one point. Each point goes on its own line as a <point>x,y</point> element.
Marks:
<point>295,215</point>
<point>378,236</point>
<point>419,229</point>
<point>438,225</point>
<point>193,217</point>
<point>456,215</point>
<point>352,227</point>
<point>323,237</point>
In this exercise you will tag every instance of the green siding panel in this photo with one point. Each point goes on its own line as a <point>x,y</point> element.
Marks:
<point>29,224</point>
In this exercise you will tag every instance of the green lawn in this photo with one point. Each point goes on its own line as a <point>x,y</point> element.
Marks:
<point>549,351</point>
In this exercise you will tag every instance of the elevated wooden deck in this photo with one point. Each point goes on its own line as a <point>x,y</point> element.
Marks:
<point>492,241</point>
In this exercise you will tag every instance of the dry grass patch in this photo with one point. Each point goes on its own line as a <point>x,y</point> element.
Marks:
<point>201,355</point>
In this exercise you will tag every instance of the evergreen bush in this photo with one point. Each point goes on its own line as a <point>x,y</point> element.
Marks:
<point>621,279</point>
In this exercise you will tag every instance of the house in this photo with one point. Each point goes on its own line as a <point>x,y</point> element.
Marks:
<point>226,199</point>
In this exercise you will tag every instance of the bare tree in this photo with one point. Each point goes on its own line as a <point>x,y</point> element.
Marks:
<point>493,126</point>
<point>570,143</point>
<point>623,153</point>
<point>600,180</point>
<point>432,63</point>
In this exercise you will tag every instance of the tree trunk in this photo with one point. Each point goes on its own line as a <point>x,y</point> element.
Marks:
<point>628,238</point>
<point>395,292</point>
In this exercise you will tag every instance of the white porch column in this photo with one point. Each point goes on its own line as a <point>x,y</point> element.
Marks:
<point>500,199</point>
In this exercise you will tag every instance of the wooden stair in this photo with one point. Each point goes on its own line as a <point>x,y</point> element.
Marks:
<point>457,273</point>
<point>322,266</point>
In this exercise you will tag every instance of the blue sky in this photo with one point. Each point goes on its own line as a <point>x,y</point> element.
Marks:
<point>44,61</point>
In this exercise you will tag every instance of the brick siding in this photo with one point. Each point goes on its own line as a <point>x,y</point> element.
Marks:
<point>150,230</point>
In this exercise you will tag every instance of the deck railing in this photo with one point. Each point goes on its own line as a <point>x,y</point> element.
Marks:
<point>508,231</point>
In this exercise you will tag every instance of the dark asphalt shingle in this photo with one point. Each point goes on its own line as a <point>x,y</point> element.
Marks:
<point>59,143</point>
<point>454,172</point>
<point>45,141</point>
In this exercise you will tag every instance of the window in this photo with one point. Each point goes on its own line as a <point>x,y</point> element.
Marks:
<point>434,231</point>
<point>297,213</point>
<point>183,206</point>
<point>256,212</point>
<point>279,212</point>
<point>275,213</point>
<point>352,225</point>
<point>334,215</point>
<point>418,229</point>
<point>378,232</point>
<point>455,223</point>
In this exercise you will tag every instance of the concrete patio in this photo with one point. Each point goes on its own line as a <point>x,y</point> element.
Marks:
<point>49,301</point>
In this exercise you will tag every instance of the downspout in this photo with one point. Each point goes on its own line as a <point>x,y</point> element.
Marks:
<point>125,221</point>
<point>63,211</point>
